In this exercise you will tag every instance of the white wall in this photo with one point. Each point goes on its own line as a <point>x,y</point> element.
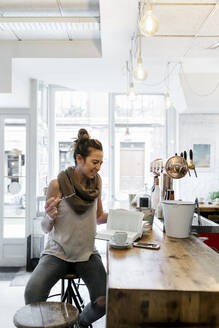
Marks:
<point>199,129</point>
<point>20,93</point>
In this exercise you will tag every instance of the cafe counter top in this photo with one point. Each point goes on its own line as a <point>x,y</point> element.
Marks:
<point>206,207</point>
<point>177,284</point>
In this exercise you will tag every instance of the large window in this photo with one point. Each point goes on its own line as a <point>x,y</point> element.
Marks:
<point>139,127</point>
<point>132,135</point>
<point>75,110</point>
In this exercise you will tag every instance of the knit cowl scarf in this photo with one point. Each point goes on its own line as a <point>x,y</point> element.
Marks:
<point>80,198</point>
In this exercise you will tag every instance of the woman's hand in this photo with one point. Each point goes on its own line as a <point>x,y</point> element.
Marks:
<point>51,207</point>
<point>101,216</point>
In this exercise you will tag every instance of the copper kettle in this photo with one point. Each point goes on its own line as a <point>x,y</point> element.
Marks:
<point>177,167</point>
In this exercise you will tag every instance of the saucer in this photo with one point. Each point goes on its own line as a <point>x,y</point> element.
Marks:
<point>146,229</point>
<point>117,246</point>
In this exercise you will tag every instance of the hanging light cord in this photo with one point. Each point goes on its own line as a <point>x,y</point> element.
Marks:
<point>189,49</point>
<point>201,27</point>
<point>185,54</point>
<point>196,93</point>
<point>139,45</point>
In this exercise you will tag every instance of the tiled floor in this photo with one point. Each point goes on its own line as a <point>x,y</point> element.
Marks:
<point>12,295</point>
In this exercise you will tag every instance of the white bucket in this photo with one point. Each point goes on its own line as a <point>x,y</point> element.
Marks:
<point>178,216</point>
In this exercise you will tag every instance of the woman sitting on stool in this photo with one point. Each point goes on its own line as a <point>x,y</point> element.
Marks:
<point>73,208</point>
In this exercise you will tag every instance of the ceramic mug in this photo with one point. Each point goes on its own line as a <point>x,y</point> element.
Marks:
<point>120,237</point>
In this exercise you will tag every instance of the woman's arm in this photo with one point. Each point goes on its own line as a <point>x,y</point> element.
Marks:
<point>51,208</point>
<point>101,216</point>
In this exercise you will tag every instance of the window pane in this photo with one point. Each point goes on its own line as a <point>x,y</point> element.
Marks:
<point>145,109</point>
<point>15,168</point>
<point>71,105</point>
<point>14,207</point>
<point>14,228</point>
<point>139,139</point>
<point>91,114</point>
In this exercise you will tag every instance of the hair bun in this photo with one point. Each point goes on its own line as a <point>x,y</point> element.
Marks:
<point>83,134</point>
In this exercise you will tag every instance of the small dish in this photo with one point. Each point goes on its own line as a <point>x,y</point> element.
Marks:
<point>146,229</point>
<point>117,246</point>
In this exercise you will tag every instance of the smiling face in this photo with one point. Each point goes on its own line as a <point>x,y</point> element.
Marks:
<point>90,165</point>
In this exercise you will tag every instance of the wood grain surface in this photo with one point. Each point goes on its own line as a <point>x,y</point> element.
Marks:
<point>46,315</point>
<point>209,207</point>
<point>179,283</point>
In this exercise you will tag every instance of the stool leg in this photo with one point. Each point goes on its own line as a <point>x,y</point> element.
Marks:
<point>67,295</point>
<point>70,294</point>
<point>73,294</point>
<point>74,297</point>
<point>62,288</point>
<point>77,293</point>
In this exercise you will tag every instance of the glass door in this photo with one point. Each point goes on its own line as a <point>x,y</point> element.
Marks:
<point>13,195</point>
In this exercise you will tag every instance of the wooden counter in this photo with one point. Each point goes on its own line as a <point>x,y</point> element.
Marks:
<point>210,211</point>
<point>205,207</point>
<point>177,284</point>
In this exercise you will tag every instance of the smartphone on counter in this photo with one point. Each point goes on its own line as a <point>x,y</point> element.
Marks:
<point>146,245</point>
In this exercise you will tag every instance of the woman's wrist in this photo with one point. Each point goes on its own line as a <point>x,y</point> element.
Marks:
<point>51,221</point>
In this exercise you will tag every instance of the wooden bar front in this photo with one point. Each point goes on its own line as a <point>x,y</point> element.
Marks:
<point>210,211</point>
<point>177,284</point>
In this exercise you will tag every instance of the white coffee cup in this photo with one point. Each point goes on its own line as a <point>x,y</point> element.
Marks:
<point>120,237</point>
<point>217,200</point>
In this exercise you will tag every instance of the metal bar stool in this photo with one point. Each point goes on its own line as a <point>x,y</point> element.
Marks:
<point>71,293</point>
<point>46,315</point>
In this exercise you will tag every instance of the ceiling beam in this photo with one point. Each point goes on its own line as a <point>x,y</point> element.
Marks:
<point>184,3</point>
<point>50,19</point>
<point>184,36</point>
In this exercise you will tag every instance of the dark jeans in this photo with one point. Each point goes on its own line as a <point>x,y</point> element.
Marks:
<point>50,269</point>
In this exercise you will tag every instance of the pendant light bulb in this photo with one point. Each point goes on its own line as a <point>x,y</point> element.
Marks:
<point>131,92</point>
<point>140,73</point>
<point>149,23</point>
<point>127,133</point>
<point>168,101</point>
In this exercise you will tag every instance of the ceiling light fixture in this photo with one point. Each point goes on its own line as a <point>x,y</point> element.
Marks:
<point>131,92</point>
<point>168,102</point>
<point>140,73</point>
<point>127,133</point>
<point>148,23</point>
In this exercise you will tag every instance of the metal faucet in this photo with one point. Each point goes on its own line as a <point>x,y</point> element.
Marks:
<point>198,211</point>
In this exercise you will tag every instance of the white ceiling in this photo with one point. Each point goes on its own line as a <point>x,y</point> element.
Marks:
<point>187,30</point>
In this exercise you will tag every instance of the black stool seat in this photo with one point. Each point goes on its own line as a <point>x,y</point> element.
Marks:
<point>46,315</point>
<point>71,276</point>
